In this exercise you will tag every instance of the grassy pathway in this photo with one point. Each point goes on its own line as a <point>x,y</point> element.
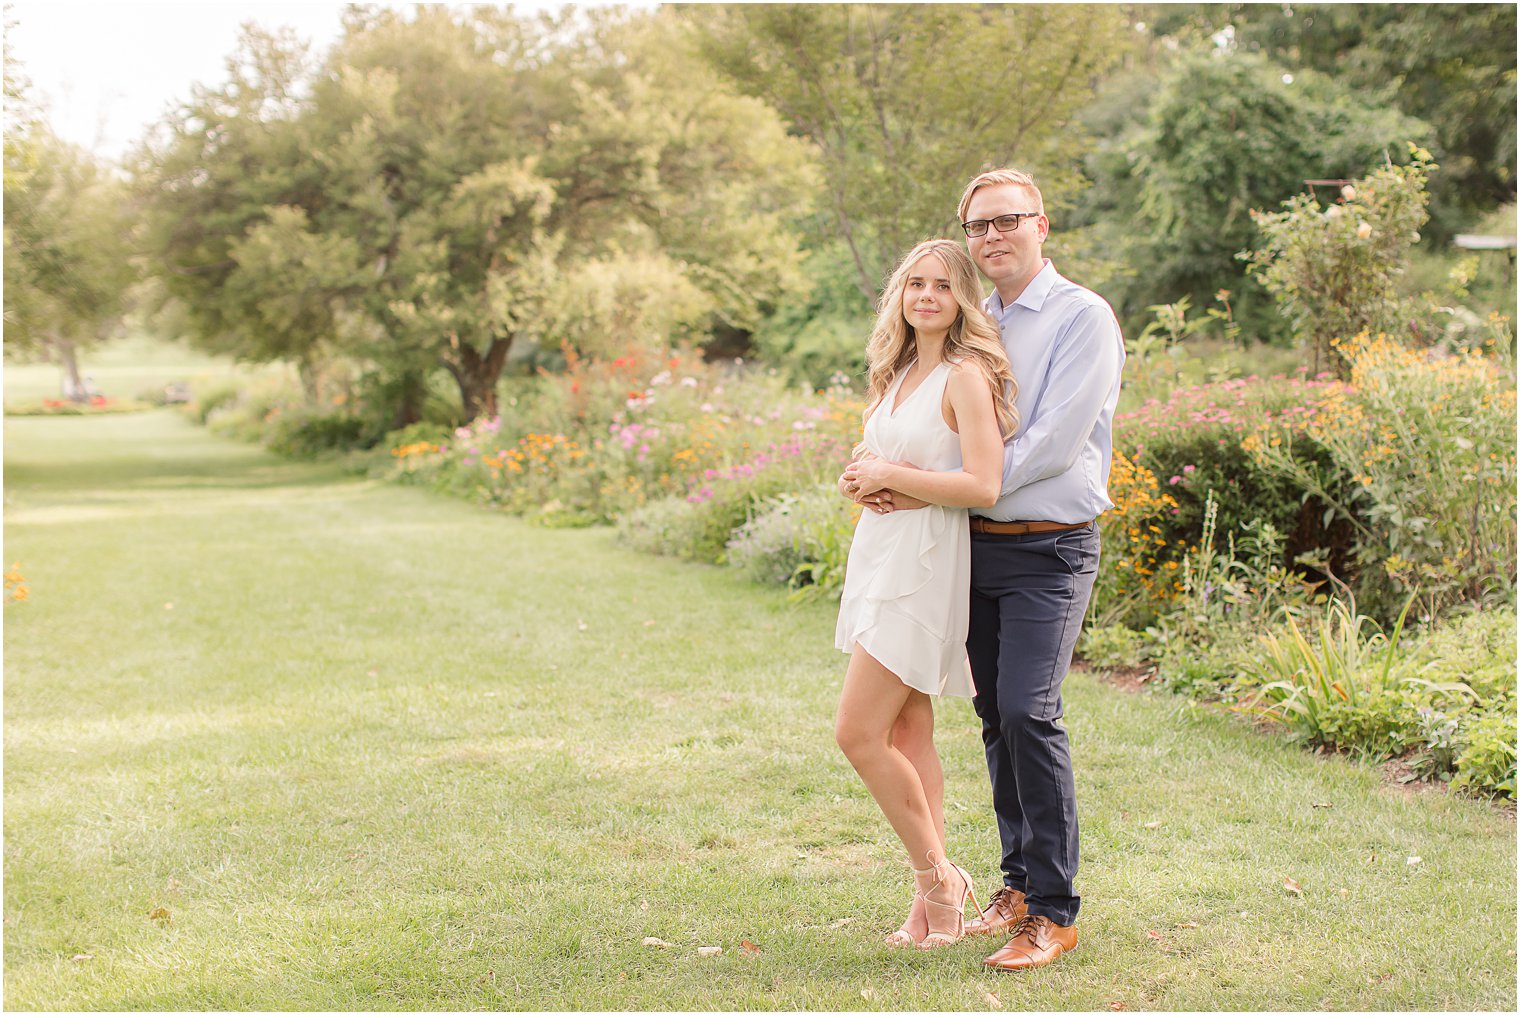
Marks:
<point>360,747</point>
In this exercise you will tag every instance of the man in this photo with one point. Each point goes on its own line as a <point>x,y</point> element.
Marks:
<point>1034,557</point>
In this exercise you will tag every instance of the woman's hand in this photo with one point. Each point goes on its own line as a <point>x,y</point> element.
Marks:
<point>868,477</point>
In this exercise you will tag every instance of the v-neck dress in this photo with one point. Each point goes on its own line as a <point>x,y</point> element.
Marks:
<point>907,583</point>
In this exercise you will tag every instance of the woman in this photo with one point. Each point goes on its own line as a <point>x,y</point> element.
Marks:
<point>940,403</point>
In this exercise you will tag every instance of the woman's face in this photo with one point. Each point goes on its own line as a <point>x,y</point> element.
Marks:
<point>927,302</point>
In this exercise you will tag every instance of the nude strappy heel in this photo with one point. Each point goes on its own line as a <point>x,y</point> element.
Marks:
<point>940,938</point>
<point>902,937</point>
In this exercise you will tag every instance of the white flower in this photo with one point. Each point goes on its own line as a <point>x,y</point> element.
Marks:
<point>1333,212</point>
<point>1364,230</point>
<point>1348,192</point>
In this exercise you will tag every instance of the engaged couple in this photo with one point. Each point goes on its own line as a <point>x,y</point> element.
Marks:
<point>983,468</point>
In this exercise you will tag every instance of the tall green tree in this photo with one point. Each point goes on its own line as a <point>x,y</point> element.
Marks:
<point>1219,134</point>
<point>1450,65</point>
<point>456,182</point>
<point>68,267</point>
<point>905,103</point>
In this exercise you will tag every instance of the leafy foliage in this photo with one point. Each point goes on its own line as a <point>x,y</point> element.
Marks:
<point>1218,135</point>
<point>68,229</point>
<point>906,103</point>
<point>1333,270</point>
<point>454,183</point>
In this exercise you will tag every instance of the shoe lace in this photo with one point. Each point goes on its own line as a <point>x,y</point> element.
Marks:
<point>1001,899</point>
<point>1027,926</point>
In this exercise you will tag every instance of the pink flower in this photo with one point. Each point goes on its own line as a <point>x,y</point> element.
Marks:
<point>1188,468</point>
<point>1174,480</point>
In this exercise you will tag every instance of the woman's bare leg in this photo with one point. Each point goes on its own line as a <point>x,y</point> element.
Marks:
<point>869,708</point>
<point>913,735</point>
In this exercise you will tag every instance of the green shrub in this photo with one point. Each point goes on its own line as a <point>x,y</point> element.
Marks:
<point>1209,669</point>
<point>1417,455</point>
<point>663,527</point>
<point>766,547</point>
<point>1113,647</point>
<point>800,540</point>
<point>1487,762</point>
<point>1477,649</point>
<point>1441,740</point>
<point>208,398</point>
<point>1373,727</point>
<point>1309,674</point>
<point>300,435</point>
<point>1334,270</point>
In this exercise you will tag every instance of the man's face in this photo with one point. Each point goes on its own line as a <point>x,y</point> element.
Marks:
<point>1006,257</point>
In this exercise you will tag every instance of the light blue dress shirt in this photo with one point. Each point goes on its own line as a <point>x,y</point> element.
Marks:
<point>1064,346</point>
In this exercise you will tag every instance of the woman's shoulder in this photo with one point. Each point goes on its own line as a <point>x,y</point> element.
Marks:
<point>966,366</point>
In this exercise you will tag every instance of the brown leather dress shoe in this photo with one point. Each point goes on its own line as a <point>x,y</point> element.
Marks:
<point>1037,941</point>
<point>1005,909</point>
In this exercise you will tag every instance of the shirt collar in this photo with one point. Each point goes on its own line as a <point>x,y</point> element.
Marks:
<point>1033,296</point>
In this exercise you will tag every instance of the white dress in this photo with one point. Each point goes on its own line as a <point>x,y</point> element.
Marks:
<point>907,582</point>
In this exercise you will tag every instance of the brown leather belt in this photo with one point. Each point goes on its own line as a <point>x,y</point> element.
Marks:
<point>980,524</point>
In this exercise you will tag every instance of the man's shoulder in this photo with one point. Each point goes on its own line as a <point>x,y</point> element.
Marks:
<point>1077,297</point>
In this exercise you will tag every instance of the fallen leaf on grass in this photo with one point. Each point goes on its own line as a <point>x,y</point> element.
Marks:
<point>1322,806</point>
<point>1374,981</point>
<point>1153,824</point>
<point>649,623</point>
<point>1293,886</point>
<point>708,951</point>
<point>843,921</point>
<point>1190,925</point>
<point>749,947</point>
<point>991,999</point>
<point>81,957</point>
<point>644,905</point>
<point>168,606</point>
<point>654,942</point>
<point>159,915</point>
<point>489,976</point>
<point>868,994</point>
<point>1116,1006</point>
<point>1345,894</point>
<point>1153,935</point>
<point>1411,861</point>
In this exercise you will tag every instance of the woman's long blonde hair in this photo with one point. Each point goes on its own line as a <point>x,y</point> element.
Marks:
<point>974,337</point>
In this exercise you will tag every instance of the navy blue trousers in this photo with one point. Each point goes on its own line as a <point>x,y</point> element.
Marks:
<point>1028,596</point>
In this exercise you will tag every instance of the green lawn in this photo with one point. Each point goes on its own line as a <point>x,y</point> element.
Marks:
<point>361,747</point>
<point>123,370</point>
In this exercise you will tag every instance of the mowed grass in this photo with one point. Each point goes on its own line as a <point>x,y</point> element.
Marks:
<point>124,369</point>
<point>360,747</point>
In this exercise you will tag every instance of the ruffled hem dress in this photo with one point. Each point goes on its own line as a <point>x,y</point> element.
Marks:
<point>907,582</point>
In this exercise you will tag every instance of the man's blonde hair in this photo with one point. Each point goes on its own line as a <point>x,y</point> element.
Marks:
<point>999,177</point>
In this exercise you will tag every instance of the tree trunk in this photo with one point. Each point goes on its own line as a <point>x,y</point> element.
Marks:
<point>311,380</point>
<point>477,375</point>
<point>73,386</point>
<point>411,389</point>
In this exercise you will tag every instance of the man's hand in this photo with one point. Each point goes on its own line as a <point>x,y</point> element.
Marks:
<point>897,501</point>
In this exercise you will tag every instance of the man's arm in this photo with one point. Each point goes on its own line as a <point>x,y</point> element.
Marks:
<point>1083,370</point>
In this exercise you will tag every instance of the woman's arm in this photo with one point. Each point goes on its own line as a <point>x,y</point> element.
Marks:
<point>981,477</point>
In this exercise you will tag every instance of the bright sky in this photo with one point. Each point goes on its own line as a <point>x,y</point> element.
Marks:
<point>105,71</point>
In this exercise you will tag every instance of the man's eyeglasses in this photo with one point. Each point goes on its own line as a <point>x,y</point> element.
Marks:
<point>1004,223</point>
